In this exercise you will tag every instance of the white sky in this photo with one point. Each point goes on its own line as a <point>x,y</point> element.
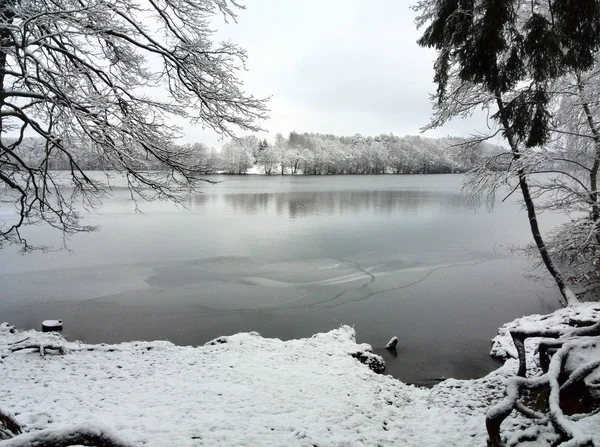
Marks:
<point>336,66</point>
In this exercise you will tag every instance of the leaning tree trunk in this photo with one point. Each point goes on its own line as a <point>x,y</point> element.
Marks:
<point>530,206</point>
<point>595,214</point>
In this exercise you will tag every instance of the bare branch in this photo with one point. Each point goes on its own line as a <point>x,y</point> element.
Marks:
<point>72,74</point>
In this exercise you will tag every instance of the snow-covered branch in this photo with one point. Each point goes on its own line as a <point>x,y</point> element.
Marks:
<point>82,75</point>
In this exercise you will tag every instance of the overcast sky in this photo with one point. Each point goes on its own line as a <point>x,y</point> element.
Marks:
<point>337,66</point>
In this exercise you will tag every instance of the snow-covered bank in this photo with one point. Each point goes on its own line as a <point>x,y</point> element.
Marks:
<point>562,319</point>
<point>247,391</point>
<point>241,390</point>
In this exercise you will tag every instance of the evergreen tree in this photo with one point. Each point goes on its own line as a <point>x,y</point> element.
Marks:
<point>505,55</point>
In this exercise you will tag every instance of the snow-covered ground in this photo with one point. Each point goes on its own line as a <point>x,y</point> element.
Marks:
<point>244,390</point>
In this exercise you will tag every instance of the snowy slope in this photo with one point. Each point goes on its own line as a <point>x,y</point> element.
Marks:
<point>246,391</point>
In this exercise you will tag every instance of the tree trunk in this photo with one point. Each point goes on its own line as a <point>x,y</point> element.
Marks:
<point>595,214</point>
<point>530,206</point>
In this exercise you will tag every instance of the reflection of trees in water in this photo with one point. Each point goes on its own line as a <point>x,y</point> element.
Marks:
<point>360,202</point>
<point>248,204</point>
<point>314,203</point>
<point>200,201</point>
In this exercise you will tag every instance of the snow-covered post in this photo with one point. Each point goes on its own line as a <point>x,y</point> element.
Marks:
<point>392,343</point>
<point>52,325</point>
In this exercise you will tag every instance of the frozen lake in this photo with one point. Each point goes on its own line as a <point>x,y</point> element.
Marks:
<point>289,257</point>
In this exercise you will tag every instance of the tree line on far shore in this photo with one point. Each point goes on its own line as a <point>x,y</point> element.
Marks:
<point>299,153</point>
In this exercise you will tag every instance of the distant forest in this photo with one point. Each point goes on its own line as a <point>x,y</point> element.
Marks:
<point>298,154</point>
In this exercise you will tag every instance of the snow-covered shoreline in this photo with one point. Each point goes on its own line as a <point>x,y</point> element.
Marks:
<point>246,390</point>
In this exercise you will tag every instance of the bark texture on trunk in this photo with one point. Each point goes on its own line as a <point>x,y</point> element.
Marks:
<point>530,206</point>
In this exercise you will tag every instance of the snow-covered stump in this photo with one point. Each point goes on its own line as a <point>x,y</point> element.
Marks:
<point>52,325</point>
<point>392,344</point>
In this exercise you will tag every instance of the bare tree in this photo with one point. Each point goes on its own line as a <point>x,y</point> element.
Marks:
<point>267,158</point>
<point>281,149</point>
<point>235,158</point>
<point>111,75</point>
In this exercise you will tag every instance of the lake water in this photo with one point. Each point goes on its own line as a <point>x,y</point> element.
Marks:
<point>288,257</point>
